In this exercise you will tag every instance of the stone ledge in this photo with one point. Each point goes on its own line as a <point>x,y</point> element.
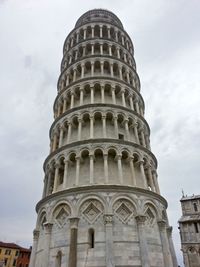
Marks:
<point>97,189</point>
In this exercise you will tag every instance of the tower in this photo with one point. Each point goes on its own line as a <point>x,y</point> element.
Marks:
<point>101,203</point>
<point>189,225</point>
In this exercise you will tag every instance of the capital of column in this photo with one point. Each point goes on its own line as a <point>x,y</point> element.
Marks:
<point>74,222</point>
<point>118,157</point>
<point>48,226</point>
<point>57,165</point>
<point>161,225</point>
<point>36,234</point>
<point>169,230</point>
<point>140,219</point>
<point>66,161</point>
<point>91,116</point>
<point>108,219</point>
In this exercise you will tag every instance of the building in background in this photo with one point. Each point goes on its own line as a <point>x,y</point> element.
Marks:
<point>101,204</point>
<point>189,226</point>
<point>11,255</point>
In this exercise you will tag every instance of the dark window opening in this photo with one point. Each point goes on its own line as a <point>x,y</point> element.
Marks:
<point>121,137</point>
<point>195,206</point>
<point>196,227</point>
<point>91,238</point>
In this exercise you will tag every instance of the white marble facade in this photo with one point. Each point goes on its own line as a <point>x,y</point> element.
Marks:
<point>101,203</point>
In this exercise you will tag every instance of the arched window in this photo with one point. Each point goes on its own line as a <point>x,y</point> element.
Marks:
<point>58,259</point>
<point>195,206</point>
<point>91,238</point>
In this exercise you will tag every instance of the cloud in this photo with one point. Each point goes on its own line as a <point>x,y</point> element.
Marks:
<point>166,41</point>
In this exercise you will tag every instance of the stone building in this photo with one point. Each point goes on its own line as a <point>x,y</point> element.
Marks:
<point>13,255</point>
<point>189,226</point>
<point>101,204</point>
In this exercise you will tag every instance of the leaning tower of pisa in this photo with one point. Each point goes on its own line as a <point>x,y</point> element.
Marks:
<point>101,204</point>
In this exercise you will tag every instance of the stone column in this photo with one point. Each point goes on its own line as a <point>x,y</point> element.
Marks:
<point>127,129</point>
<point>147,141</point>
<point>151,179</point>
<point>118,53</point>
<point>165,245</point>
<point>145,262</point>
<point>92,31</point>
<point>77,170</point>
<point>122,40</point>
<point>116,126</point>
<point>45,186</point>
<point>79,128</point>
<point>142,135</point>
<point>55,184</point>
<point>108,222</point>
<point>143,174</point>
<point>113,95</point>
<point>101,32</point>
<point>125,58</point>
<point>92,94</point>
<point>123,98</point>
<point>74,75</point>
<point>92,68</point>
<point>84,33</point>
<point>131,159</point>
<point>76,54</point>
<point>101,49</point>
<point>48,228</point>
<point>82,71</point>
<point>55,141</point>
<point>127,77</point>
<point>77,37</point>
<point>91,126</point>
<point>131,102</point>
<point>136,132</point>
<point>102,69</point>
<point>73,242</point>
<point>81,96</point>
<point>104,125</point>
<point>84,51</point>
<point>67,79</point>
<point>48,183</point>
<point>34,248</point>
<point>116,35</point>
<point>109,32</point>
<point>111,69</point>
<point>155,179</point>
<point>70,59</point>
<point>61,136</point>
<point>65,104</point>
<point>105,158</point>
<point>59,109</point>
<point>92,49</point>
<point>120,73</point>
<point>119,164</point>
<point>110,50</point>
<point>65,174</point>
<point>91,168</point>
<point>69,132</point>
<point>137,106</point>
<point>171,246</point>
<point>102,94</point>
<point>72,99</point>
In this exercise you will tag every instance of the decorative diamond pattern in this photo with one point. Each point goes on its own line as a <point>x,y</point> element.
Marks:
<point>91,213</point>
<point>123,212</point>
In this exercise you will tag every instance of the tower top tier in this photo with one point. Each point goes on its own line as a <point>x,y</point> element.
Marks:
<point>99,15</point>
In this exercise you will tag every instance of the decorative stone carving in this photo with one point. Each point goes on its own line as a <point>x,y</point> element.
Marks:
<point>124,210</point>
<point>108,219</point>
<point>91,210</point>
<point>61,215</point>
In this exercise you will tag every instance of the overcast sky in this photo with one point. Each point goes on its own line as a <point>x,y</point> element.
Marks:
<point>166,37</point>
